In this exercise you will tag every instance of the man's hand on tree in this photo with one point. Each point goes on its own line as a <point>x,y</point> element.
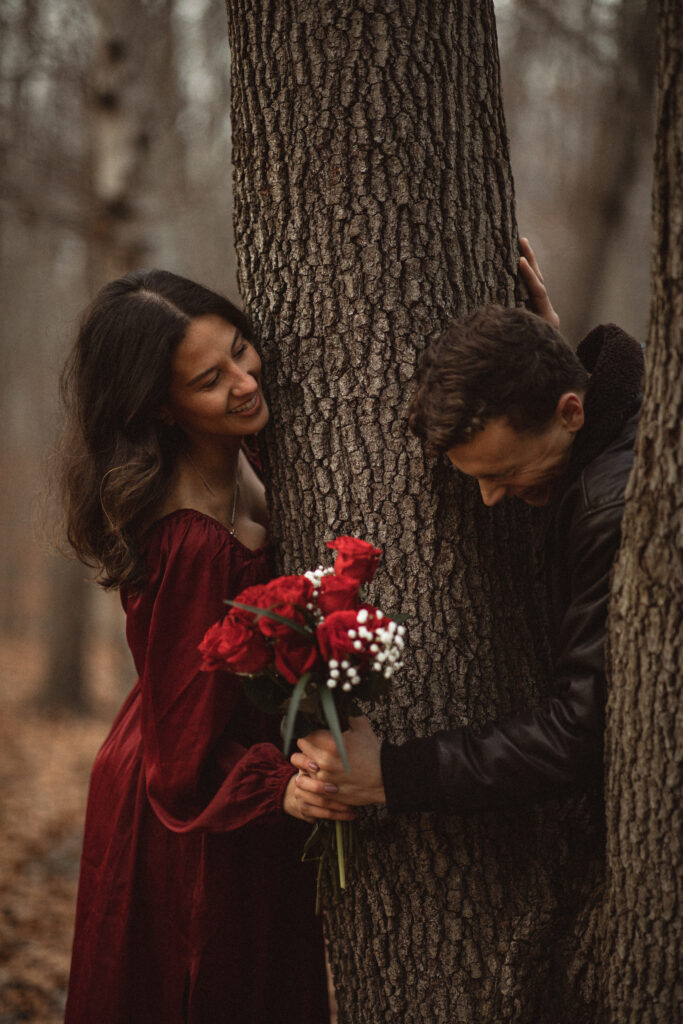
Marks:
<point>533,278</point>
<point>325,777</point>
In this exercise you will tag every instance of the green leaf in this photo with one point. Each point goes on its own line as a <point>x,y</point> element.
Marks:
<point>332,719</point>
<point>264,692</point>
<point>313,837</point>
<point>292,709</point>
<point>268,613</point>
<point>318,887</point>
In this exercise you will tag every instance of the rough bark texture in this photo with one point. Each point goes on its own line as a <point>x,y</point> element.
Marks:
<point>373,201</point>
<point>644,743</point>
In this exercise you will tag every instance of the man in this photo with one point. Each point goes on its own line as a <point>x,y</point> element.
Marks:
<point>504,396</point>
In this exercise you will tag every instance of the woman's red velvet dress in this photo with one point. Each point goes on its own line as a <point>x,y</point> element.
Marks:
<point>193,904</point>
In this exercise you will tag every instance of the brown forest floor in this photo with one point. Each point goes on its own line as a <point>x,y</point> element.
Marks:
<point>45,763</point>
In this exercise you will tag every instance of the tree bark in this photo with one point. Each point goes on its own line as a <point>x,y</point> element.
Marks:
<point>644,750</point>
<point>373,201</point>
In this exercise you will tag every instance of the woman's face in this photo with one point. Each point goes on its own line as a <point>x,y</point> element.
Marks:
<point>215,391</point>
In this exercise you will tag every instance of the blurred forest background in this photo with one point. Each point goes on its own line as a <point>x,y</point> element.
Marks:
<point>115,144</point>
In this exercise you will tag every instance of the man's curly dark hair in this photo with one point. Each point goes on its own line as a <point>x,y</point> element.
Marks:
<point>495,363</point>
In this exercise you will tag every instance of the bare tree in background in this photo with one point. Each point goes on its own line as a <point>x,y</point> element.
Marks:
<point>578,88</point>
<point>373,201</point>
<point>115,146</point>
<point>123,114</point>
<point>621,136</point>
<point>643,954</point>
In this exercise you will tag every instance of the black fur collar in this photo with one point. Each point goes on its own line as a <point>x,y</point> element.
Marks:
<point>615,362</point>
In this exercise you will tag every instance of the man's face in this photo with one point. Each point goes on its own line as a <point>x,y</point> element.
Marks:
<point>507,463</point>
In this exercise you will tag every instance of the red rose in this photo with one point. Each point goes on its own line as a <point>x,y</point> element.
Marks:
<point>333,635</point>
<point>295,655</point>
<point>256,596</point>
<point>337,593</point>
<point>234,644</point>
<point>287,596</point>
<point>355,558</point>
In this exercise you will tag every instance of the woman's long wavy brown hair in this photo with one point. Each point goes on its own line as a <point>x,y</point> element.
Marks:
<point>118,456</point>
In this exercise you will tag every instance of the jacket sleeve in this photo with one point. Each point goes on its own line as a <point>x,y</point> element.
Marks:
<point>553,746</point>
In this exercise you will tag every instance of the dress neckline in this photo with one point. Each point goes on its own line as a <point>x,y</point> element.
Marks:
<point>209,519</point>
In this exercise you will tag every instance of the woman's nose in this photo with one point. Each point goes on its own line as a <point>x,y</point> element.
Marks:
<point>491,493</point>
<point>243,381</point>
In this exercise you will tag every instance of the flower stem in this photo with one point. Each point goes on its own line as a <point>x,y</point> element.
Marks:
<point>318,884</point>
<point>339,826</point>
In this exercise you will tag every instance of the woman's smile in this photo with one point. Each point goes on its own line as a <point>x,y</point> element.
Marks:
<point>216,380</point>
<point>248,408</point>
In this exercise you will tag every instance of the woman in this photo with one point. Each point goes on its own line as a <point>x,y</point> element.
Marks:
<point>191,891</point>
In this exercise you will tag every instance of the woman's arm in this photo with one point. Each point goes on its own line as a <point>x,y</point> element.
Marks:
<point>208,760</point>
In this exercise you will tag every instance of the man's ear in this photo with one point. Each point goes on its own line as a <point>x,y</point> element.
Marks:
<point>570,411</point>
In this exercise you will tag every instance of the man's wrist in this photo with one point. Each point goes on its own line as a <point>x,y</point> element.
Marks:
<point>410,775</point>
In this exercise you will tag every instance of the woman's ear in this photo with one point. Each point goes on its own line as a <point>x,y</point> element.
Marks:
<point>166,416</point>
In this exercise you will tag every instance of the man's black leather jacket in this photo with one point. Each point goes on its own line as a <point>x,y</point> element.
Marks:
<point>557,744</point>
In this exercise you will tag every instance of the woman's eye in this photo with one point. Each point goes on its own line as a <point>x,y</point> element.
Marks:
<point>210,383</point>
<point>240,351</point>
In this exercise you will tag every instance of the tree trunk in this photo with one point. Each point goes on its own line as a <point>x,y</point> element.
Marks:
<point>129,145</point>
<point>374,201</point>
<point>64,685</point>
<point>644,959</point>
<point>608,171</point>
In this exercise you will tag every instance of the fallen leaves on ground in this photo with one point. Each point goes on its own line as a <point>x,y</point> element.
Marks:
<point>45,763</point>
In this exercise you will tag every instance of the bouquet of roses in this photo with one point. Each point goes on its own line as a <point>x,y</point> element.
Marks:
<point>309,648</point>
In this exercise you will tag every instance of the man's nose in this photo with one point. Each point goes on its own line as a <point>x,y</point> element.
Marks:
<point>491,493</point>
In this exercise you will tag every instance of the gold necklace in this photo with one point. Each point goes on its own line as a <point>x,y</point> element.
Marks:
<point>232,529</point>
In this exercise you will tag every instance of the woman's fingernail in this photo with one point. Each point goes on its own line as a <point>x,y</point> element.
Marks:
<point>329,787</point>
<point>313,767</point>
